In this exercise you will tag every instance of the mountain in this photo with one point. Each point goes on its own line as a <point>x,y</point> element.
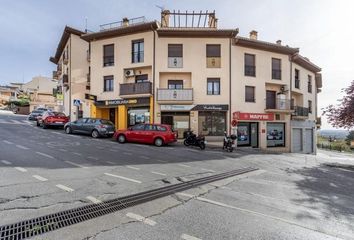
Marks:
<point>339,134</point>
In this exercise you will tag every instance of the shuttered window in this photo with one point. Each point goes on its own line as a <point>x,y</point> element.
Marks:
<point>175,50</point>
<point>213,50</point>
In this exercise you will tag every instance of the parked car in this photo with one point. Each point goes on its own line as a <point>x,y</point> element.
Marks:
<point>53,119</point>
<point>35,113</point>
<point>158,134</point>
<point>96,127</point>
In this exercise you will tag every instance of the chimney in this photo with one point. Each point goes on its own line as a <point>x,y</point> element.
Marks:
<point>125,22</point>
<point>165,18</point>
<point>253,35</point>
<point>278,42</point>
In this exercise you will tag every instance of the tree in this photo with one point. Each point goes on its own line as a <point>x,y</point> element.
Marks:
<point>350,137</point>
<point>342,115</point>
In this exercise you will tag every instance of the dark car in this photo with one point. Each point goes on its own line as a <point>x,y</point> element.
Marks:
<point>96,127</point>
<point>35,113</point>
<point>158,134</point>
<point>53,119</point>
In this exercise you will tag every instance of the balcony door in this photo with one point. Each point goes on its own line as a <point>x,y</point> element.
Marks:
<point>175,84</point>
<point>270,99</point>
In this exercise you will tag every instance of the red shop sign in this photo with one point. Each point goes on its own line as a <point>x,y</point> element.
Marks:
<point>254,116</point>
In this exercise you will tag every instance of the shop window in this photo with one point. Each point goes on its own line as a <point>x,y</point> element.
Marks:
<point>175,84</point>
<point>175,55</point>
<point>138,51</point>
<point>243,136</point>
<point>213,86</point>
<point>275,134</point>
<point>213,53</point>
<point>108,55</point>
<point>211,123</point>
<point>138,115</point>
<point>108,83</point>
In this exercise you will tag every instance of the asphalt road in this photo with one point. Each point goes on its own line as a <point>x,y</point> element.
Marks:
<point>291,196</point>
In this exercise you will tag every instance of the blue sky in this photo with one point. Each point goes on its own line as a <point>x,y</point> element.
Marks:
<point>322,29</point>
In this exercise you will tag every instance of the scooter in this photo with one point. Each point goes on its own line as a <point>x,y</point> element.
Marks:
<point>194,140</point>
<point>229,142</point>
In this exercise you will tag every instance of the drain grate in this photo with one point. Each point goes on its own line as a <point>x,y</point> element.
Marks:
<point>40,225</point>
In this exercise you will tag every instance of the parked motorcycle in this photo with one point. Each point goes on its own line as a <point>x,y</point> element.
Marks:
<point>194,140</point>
<point>229,142</point>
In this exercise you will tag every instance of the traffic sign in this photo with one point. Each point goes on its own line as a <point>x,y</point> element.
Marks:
<point>234,123</point>
<point>77,102</point>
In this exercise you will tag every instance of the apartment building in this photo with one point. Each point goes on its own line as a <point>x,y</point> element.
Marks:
<point>71,59</point>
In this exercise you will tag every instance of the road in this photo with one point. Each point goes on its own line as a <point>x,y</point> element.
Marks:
<point>291,196</point>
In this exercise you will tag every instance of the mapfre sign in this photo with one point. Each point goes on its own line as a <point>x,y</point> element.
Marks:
<point>253,116</point>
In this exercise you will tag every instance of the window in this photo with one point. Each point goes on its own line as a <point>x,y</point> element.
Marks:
<point>309,83</point>
<point>212,123</point>
<point>249,94</point>
<point>276,68</point>
<point>150,127</point>
<point>160,128</point>
<point>108,83</point>
<point>275,134</point>
<point>310,106</point>
<point>138,51</point>
<point>213,53</point>
<point>108,55</point>
<point>213,86</point>
<point>81,120</point>
<point>139,127</point>
<point>297,78</point>
<point>141,78</point>
<point>175,55</point>
<point>250,65</point>
<point>175,84</point>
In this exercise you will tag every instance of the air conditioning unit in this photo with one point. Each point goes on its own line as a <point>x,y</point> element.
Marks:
<point>129,73</point>
<point>284,88</point>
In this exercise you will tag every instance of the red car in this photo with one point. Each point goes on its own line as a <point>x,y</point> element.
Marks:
<point>158,134</point>
<point>50,118</point>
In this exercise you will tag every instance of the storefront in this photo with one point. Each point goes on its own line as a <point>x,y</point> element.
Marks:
<point>177,116</point>
<point>123,112</point>
<point>212,119</point>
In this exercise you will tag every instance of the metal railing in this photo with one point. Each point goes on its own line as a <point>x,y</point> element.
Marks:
<point>135,88</point>
<point>301,111</point>
<point>278,103</point>
<point>119,24</point>
<point>175,94</point>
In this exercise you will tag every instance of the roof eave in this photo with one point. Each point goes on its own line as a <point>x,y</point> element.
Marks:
<point>222,33</point>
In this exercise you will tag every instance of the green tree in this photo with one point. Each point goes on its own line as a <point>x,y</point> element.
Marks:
<point>350,137</point>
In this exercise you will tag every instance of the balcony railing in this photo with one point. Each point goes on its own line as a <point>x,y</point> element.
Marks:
<point>278,103</point>
<point>301,111</point>
<point>135,88</point>
<point>175,94</point>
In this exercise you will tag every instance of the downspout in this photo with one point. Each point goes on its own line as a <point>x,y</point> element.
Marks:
<point>153,76</point>
<point>290,95</point>
<point>70,81</point>
<point>230,42</point>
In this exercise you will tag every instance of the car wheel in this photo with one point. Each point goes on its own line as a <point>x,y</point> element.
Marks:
<point>68,130</point>
<point>158,142</point>
<point>95,134</point>
<point>121,138</point>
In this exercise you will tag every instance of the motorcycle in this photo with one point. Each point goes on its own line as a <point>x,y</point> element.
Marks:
<point>229,142</point>
<point>194,140</point>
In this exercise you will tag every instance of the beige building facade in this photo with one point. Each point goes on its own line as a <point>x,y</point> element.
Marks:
<point>197,77</point>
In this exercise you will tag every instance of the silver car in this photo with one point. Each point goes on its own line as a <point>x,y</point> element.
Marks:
<point>95,127</point>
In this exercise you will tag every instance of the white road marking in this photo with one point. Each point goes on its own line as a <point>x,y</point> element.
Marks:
<point>158,173</point>
<point>21,169</point>
<point>40,178</point>
<point>163,161</point>
<point>127,153</point>
<point>45,155</point>
<point>6,162</point>
<point>124,178</point>
<point>65,188</point>
<point>131,167</point>
<point>189,237</point>
<point>93,199</point>
<point>183,165</point>
<point>94,158</point>
<point>75,164</point>
<point>185,194</point>
<point>8,142</point>
<point>141,219</point>
<point>144,157</point>
<point>209,170</point>
<point>22,147</point>
<point>76,153</point>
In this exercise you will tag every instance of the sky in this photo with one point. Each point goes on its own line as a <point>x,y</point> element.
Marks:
<point>323,30</point>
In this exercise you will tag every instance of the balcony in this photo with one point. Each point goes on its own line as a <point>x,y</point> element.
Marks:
<point>55,75</point>
<point>174,95</point>
<point>300,112</point>
<point>59,69</point>
<point>65,80</point>
<point>65,59</point>
<point>278,105</point>
<point>135,88</point>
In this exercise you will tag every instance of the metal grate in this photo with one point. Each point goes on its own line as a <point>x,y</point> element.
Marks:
<point>40,225</point>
